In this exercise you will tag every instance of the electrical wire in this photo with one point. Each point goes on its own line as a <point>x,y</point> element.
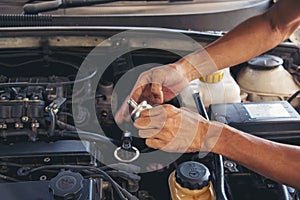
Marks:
<point>66,114</point>
<point>23,63</point>
<point>40,60</point>
<point>4,177</point>
<point>39,84</point>
<point>88,136</point>
<point>51,128</point>
<point>14,54</point>
<point>64,62</point>
<point>10,164</point>
<point>291,98</point>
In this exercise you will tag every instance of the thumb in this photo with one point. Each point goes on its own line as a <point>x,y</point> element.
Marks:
<point>156,90</point>
<point>122,114</point>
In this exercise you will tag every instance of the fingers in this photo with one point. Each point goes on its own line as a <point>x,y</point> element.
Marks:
<point>141,85</point>
<point>156,89</point>
<point>151,122</point>
<point>155,118</point>
<point>136,93</point>
<point>166,110</point>
<point>151,119</point>
<point>148,133</point>
<point>123,113</point>
<point>171,129</point>
<point>155,111</point>
<point>149,86</point>
<point>155,143</point>
<point>161,144</point>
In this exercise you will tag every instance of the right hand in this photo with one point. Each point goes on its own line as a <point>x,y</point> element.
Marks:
<point>174,129</point>
<point>156,86</point>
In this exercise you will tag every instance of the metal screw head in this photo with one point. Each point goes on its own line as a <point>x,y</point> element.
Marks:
<point>43,178</point>
<point>18,125</point>
<point>47,159</point>
<point>228,164</point>
<point>25,119</point>
<point>35,125</point>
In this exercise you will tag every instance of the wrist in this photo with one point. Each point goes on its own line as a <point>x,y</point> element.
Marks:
<point>225,139</point>
<point>211,136</point>
<point>187,70</point>
<point>196,65</point>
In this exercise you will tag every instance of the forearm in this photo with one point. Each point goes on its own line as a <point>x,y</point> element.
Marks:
<point>249,39</point>
<point>274,160</point>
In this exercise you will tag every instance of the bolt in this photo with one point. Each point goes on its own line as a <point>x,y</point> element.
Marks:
<point>47,159</point>
<point>18,125</point>
<point>25,119</point>
<point>3,126</point>
<point>104,114</point>
<point>55,111</point>
<point>228,164</point>
<point>43,178</point>
<point>35,125</point>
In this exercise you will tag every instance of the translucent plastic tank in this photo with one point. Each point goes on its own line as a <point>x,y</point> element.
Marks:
<point>219,87</point>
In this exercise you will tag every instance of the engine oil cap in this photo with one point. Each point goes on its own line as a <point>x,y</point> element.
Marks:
<point>265,62</point>
<point>66,185</point>
<point>192,175</point>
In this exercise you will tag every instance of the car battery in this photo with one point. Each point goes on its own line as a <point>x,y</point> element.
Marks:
<point>270,120</point>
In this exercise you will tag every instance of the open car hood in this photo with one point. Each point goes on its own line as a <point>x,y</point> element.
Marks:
<point>44,152</point>
<point>217,15</point>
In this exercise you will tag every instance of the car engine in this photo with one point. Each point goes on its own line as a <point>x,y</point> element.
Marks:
<point>43,153</point>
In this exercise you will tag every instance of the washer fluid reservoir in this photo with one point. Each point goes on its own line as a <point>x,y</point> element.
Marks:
<point>265,79</point>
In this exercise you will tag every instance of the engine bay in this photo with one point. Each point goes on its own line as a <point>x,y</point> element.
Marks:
<point>43,153</point>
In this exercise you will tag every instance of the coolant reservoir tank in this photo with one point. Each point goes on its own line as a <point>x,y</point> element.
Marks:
<point>265,79</point>
<point>219,87</point>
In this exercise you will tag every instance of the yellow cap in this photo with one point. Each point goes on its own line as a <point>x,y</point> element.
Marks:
<point>213,78</point>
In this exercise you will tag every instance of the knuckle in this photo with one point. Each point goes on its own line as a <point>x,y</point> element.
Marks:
<point>150,144</point>
<point>156,72</point>
<point>167,107</point>
<point>143,78</point>
<point>137,122</point>
<point>143,74</point>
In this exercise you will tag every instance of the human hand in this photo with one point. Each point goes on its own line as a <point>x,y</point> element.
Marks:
<point>157,85</point>
<point>177,129</point>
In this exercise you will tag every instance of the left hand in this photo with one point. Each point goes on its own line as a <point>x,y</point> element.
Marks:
<point>176,129</point>
<point>156,86</point>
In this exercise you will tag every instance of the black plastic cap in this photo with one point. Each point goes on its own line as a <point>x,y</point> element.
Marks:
<point>192,175</point>
<point>66,185</point>
<point>265,62</point>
